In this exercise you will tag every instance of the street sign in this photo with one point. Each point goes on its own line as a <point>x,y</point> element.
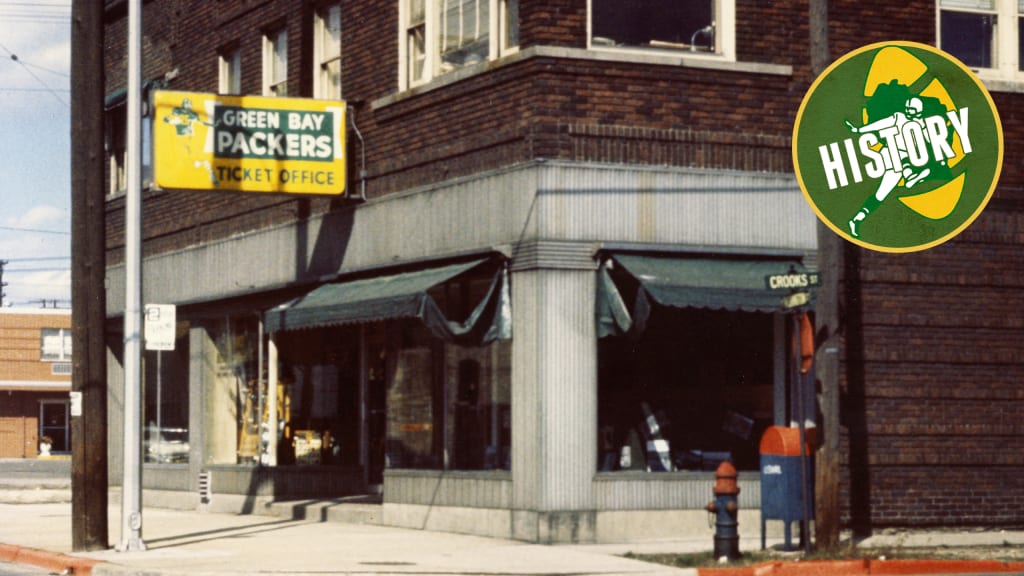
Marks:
<point>792,280</point>
<point>159,329</point>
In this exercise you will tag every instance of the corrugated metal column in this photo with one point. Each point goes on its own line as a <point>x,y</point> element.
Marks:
<point>554,395</point>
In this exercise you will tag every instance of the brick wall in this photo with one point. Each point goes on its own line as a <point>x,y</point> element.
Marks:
<point>21,345</point>
<point>932,368</point>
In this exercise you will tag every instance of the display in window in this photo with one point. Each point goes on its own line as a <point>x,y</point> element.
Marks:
<point>667,24</point>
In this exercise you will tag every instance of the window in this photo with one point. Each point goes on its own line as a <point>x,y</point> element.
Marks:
<point>702,27</point>
<point>230,72</point>
<point>275,63</point>
<point>54,425</point>
<point>327,53</point>
<point>440,36</point>
<point>116,148</point>
<point>695,389</point>
<point>166,399</point>
<point>116,132</point>
<point>984,34</point>
<point>56,345</point>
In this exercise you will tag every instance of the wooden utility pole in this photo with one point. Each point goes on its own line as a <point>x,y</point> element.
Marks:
<point>88,293</point>
<point>830,262</point>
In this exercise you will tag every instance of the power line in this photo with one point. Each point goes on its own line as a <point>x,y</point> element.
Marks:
<point>20,270</point>
<point>33,74</point>
<point>38,259</point>
<point>34,230</point>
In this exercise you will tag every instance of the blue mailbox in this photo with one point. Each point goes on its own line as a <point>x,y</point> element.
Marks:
<point>782,494</point>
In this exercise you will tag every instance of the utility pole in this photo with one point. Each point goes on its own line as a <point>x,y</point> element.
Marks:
<point>88,293</point>
<point>830,262</point>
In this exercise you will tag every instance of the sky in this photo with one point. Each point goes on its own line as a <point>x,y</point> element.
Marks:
<point>35,187</point>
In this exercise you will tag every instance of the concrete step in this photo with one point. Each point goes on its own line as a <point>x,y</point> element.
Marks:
<point>354,510</point>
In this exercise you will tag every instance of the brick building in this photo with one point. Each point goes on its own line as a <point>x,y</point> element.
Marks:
<point>35,378</point>
<point>458,332</point>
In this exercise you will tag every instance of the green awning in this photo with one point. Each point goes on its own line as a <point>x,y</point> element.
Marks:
<point>681,282</point>
<point>393,296</point>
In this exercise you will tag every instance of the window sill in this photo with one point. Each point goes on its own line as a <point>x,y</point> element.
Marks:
<point>662,58</point>
<point>995,84</point>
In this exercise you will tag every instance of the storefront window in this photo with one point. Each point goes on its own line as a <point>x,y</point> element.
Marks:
<point>695,389</point>
<point>478,426</point>
<point>318,397</point>
<point>235,406</point>
<point>447,406</point>
<point>166,402</point>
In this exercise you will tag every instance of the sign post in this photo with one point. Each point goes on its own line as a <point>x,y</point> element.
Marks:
<point>160,330</point>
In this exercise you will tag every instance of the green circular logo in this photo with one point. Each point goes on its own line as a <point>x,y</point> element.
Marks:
<point>897,146</point>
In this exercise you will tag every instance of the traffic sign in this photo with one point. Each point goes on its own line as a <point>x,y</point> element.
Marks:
<point>159,328</point>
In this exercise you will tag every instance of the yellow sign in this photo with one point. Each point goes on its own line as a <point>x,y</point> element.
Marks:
<point>248,143</point>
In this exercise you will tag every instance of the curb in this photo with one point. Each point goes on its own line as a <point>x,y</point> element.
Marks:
<point>867,566</point>
<point>53,561</point>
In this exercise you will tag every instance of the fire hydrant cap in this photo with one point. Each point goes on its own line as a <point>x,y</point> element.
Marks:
<point>725,479</point>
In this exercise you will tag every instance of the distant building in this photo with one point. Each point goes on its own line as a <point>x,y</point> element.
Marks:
<point>559,220</point>
<point>35,378</point>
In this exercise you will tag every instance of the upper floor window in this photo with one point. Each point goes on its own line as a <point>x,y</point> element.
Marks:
<point>984,34</point>
<point>56,345</point>
<point>327,53</point>
<point>275,63</point>
<point>115,135</point>
<point>698,26</point>
<point>230,81</point>
<point>440,36</point>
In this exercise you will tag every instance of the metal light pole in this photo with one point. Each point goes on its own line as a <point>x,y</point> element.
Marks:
<point>131,498</point>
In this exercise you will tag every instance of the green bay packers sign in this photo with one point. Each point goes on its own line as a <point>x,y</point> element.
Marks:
<point>248,143</point>
<point>897,147</point>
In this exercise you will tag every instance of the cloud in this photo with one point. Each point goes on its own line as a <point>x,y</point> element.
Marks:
<point>42,217</point>
<point>37,267</point>
<point>43,52</point>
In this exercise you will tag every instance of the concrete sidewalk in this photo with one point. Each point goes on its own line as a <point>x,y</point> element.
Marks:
<point>189,542</point>
<point>192,543</point>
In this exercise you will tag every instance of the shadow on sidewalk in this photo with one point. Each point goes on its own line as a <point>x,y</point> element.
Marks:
<point>220,534</point>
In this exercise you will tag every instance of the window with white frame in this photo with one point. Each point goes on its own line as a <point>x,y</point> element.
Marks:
<point>327,53</point>
<point>275,63</point>
<point>987,35</point>
<point>440,36</point>
<point>230,81</point>
<point>697,26</point>
<point>116,131</point>
<point>56,345</point>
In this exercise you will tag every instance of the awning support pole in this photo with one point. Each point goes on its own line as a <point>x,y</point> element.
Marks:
<point>272,423</point>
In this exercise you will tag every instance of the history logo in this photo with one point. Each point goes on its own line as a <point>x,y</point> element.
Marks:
<point>897,146</point>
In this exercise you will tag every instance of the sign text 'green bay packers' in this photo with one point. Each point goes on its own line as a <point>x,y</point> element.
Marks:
<point>249,143</point>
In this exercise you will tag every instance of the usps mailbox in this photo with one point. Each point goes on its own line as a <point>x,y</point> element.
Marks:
<point>782,495</point>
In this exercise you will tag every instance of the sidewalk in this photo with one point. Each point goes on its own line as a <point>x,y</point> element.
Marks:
<point>197,543</point>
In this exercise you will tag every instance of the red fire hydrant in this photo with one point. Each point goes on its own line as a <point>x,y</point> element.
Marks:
<point>725,506</point>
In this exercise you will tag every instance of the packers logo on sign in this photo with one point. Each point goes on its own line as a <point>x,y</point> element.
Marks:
<point>897,147</point>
